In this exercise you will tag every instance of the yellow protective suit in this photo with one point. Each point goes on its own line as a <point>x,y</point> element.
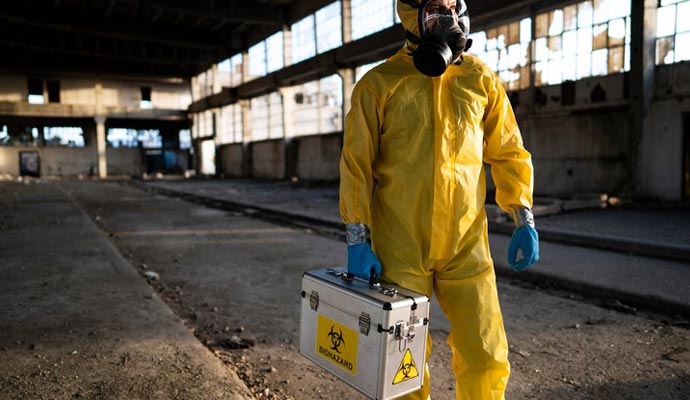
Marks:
<point>412,170</point>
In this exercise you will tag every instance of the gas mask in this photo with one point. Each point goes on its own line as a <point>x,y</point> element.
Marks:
<point>443,36</point>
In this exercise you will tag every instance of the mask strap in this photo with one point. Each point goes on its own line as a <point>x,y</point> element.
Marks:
<point>412,37</point>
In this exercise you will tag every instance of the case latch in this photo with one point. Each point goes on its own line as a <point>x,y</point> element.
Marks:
<point>314,300</point>
<point>404,330</point>
<point>390,292</point>
<point>364,323</point>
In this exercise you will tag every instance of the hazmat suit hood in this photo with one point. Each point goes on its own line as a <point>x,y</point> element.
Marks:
<point>409,15</point>
<point>409,12</point>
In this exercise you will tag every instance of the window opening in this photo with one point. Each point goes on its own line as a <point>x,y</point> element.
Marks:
<point>331,107</point>
<point>259,107</point>
<point>673,31</point>
<point>257,60</point>
<point>53,91</point>
<point>185,139</point>
<point>19,136</point>
<point>589,38</point>
<point>224,73</point>
<point>231,124</point>
<point>506,50</point>
<point>275,115</point>
<point>236,70</point>
<point>35,91</point>
<point>369,17</point>
<point>64,136</point>
<point>274,52</point>
<point>146,97</point>
<point>318,106</point>
<point>125,137</point>
<point>329,32</point>
<point>303,39</point>
<point>306,110</point>
<point>4,136</point>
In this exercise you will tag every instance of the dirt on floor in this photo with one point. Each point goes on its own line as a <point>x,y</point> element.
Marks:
<point>235,282</point>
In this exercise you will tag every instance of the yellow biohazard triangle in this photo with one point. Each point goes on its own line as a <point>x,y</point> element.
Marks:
<point>407,369</point>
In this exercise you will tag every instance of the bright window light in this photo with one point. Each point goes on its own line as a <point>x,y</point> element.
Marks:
<point>303,39</point>
<point>185,137</point>
<point>64,136</point>
<point>274,52</point>
<point>673,32</point>
<point>36,99</point>
<point>329,28</point>
<point>257,60</point>
<point>369,17</point>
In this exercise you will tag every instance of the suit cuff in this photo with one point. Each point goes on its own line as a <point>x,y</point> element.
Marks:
<point>356,233</point>
<point>522,216</point>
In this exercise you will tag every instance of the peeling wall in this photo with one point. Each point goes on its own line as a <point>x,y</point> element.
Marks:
<point>268,159</point>
<point>231,159</point>
<point>69,161</point>
<point>318,157</point>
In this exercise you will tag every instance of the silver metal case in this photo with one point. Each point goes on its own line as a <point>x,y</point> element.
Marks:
<point>371,337</point>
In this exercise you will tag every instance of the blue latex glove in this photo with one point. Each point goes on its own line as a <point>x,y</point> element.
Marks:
<point>526,239</point>
<point>362,262</point>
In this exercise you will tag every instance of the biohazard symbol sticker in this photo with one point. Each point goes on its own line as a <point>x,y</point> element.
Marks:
<point>407,369</point>
<point>337,343</point>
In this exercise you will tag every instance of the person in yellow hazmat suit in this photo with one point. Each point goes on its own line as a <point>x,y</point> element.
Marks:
<point>413,186</point>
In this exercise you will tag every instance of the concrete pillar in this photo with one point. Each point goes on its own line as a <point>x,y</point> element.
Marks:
<point>245,66</point>
<point>100,133</point>
<point>348,76</point>
<point>641,84</point>
<point>217,87</point>
<point>288,95</point>
<point>287,46</point>
<point>101,147</point>
<point>246,138</point>
<point>346,13</point>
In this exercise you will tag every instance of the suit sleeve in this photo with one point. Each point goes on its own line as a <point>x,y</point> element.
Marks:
<point>360,147</point>
<point>511,164</point>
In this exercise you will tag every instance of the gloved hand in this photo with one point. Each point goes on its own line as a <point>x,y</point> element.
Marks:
<point>526,239</point>
<point>362,262</point>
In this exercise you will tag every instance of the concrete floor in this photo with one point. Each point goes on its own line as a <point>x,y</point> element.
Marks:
<point>77,321</point>
<point>80,320</point>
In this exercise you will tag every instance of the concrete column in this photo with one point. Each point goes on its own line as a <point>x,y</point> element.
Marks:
<point>100,133</point>
<point>288,95</point>
<point>287,46</point>
<point>215,81</point>
<point>245,66</point>
<point>348,76</point>
<point>246,138</point>
<point>641,84</point>
<point>346,14</point>
<point>101,146</point>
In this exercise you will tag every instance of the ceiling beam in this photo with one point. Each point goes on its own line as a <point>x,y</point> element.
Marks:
<point>157,15</point>
<point>232,11</point>
<point>93,25</point>
<point>25,61</point>
<point>64,51</point>
<point>109,9</point>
